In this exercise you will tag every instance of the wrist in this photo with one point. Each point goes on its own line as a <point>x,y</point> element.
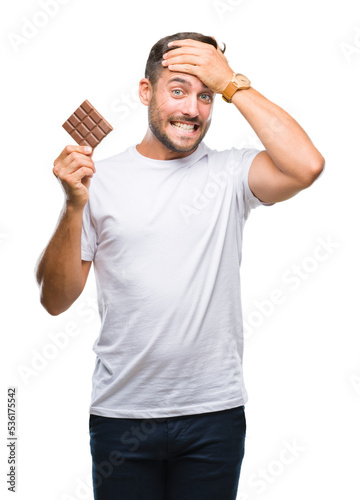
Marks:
<point>244,98</point>
<point>72,208</point>
<point>237,83</point>
<point>226,80</point>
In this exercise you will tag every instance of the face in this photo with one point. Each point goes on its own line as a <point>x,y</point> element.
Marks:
<point>180,111</point>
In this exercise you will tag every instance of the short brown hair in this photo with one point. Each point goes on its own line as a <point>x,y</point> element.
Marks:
<point>153,64</point>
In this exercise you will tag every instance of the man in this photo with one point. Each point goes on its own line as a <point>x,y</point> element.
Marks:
<point>163,222</point>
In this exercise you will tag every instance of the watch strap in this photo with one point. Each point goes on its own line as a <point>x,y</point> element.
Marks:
<point>230,90</point>
<point>233,87</point>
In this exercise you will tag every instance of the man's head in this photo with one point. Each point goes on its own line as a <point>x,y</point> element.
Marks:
<point>180,105</point>
<point>153,65</point>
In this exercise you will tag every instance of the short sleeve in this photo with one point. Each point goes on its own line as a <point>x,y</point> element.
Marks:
<point>88,236</point>
<point>241,160</point>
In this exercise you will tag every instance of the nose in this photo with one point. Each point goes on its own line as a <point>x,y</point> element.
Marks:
<point>190,106</point>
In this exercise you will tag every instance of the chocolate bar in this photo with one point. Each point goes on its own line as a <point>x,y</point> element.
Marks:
<point>87,126</point>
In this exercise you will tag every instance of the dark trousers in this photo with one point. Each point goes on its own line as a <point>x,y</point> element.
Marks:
<point>190,457</point>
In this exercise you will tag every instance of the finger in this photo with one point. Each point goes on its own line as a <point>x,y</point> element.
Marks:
<point>187,42</point>
<point>73,178</point>
<point>71,163</point>
<point>184,59</point>
<point>86,150</point>
<point>184,68</point>
<point>81,173</point>
<point>77,163</point>
<point>182,50</point>
<point>77,160</point>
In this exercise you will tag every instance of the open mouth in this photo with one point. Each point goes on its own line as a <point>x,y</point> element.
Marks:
<point>187,127</point>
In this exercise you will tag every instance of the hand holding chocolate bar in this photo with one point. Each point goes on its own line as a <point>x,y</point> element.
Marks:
<point>74,168</point>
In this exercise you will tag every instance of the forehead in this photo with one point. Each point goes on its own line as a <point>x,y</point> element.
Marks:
<point>167,77</point>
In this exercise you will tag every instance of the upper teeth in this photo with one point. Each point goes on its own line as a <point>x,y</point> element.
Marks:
<point>184,126</point>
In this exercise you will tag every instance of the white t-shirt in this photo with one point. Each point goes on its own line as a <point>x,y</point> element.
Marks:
<point>165,238</point>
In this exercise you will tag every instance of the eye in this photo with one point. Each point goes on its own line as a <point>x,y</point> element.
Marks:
<point>206,97</point>
<point>177,92</point>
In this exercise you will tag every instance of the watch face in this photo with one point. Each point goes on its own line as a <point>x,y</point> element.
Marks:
<point>241,80</point>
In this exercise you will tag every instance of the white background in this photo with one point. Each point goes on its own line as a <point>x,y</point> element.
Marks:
<point>302,357</point>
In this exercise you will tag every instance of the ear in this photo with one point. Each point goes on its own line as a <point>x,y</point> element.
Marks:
<point>145,91</point>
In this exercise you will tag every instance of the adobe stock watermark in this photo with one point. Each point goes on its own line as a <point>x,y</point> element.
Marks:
<point>259,480</point>
<point>130,442</point>
<point>264,476</point>
<point>293,279</point>
<point>266,135</point>
<point>58,341</point>
<point>251,141</point>
<point>352,50</point>
<point>216,183</point>
<point>30,27</point>
<point>225,7</point>
<point>355,382</point>
<point>3,237</point>
<point>83,489</point>
<point>126,103</point>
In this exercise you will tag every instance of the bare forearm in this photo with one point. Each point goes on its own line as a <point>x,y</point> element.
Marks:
<point>59,272</point>
<point>285,141</point>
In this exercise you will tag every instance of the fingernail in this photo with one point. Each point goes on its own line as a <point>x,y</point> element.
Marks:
<point>170,43</point>
<point>87,149</point>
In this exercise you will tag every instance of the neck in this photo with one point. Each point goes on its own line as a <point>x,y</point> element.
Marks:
<point>152,148</point>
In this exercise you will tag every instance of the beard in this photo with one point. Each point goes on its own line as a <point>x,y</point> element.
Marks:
<point>157,127</point>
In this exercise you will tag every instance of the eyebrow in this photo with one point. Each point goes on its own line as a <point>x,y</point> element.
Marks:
<point>185,82</point>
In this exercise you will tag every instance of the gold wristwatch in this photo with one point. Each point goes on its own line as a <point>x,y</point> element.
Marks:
<point>238,82</point>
